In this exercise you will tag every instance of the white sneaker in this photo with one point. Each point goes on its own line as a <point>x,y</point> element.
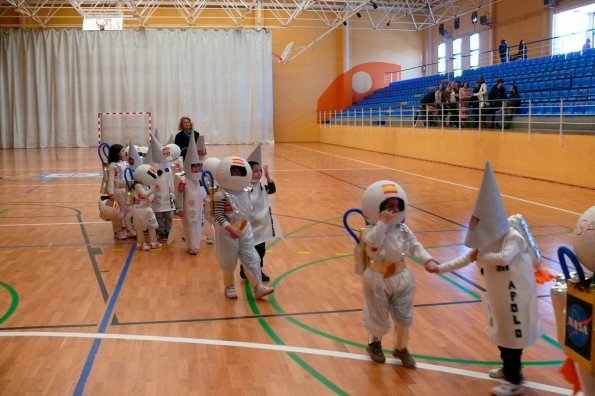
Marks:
<point>146,246</point>
<point>230,292</point>
<point>131,233</point>
<point>210,239</point>
<point>497,372</point>
<point>261,291</point>
<point>120,235</point>
<point>155,245</point>
<point>507,389</point>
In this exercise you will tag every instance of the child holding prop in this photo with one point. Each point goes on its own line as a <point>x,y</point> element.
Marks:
<point>145,177</point>
<point>388,283</point>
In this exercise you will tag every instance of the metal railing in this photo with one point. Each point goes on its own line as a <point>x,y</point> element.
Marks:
<point>565,115</point>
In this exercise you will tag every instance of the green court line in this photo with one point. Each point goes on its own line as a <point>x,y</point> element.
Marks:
<point>14,303</point>
<point>294,356</point>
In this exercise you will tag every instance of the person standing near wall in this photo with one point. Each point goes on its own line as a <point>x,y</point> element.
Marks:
<point>503,50</point>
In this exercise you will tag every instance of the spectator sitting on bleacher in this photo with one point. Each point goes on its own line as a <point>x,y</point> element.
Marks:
<point>440,101</point>
<point>427,108</point>
<point>587,45</point>
<point>496,99</point>
<point>452,96</point>
<point>512,107</point>
<point>465,96</point>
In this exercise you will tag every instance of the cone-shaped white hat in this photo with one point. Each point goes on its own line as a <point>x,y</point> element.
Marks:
<point>191,156</point>
<point>132,153</point>
<point>200,143</point>
<point>256,155</point>
<point>489,221</point>
<point>156,151</point>
<point>171,139</point>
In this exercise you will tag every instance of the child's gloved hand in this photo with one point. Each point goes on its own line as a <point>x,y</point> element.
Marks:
<point>386,216</point>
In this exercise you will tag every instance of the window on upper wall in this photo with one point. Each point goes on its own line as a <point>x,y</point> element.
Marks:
<point>442,58</point>
<point>572,28</point>
<point>474,51</point>
<point>457,46</point>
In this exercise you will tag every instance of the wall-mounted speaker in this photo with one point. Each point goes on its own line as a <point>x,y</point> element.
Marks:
<point>441,29</point>
<point>484,20</point>
<point>474,17</point>
<point>549,3</point>
<point>457,23</point>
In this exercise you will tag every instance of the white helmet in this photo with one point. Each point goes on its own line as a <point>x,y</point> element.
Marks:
<point>171,152</point>
<point>146,174</point>
<point>211,165</point>
<point>379,192</point>
<point>236,182</point>
<point>109,210</point>
<point>584,239</point>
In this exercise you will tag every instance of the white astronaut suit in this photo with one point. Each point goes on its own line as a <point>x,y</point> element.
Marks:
<point>144,217</point>
<point>163,203</point>
<point>117,186</point>
<point>232,210</point>
<point>388,284</point>
<point>190,196</point>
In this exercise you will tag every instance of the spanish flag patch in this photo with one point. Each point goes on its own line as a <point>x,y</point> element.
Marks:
<point>237,161</point>
<point>389,188</point>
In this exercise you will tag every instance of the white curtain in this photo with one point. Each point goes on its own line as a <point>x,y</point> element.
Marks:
<point>53,83</point>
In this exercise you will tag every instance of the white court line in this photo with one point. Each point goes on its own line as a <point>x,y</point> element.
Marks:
<point>272,347</point>
<point>13,186</point>
<point>52,224</point>
<point>439,180</point>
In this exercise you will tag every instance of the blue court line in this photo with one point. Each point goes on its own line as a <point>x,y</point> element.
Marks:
<point>80,386</point>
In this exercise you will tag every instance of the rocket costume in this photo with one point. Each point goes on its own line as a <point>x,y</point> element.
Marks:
<point>190,196</point>
<point>507,267</point>
<point>263,225</point>
<point>388,284</point>
<point>234,238</point>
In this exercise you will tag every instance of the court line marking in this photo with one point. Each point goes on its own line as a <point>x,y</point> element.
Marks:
<point>53,224</point>
<point>272,347</point>
<point>438,180</point>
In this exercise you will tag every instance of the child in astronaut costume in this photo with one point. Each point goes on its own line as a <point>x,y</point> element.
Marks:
<point>190,196</point>
<point>501,253</point>
<point>388,284</point>
<point>164,202</point>
<point>145,177</point>
<point>116,189</point>
<point>583,241</point>
<point>233,232</point>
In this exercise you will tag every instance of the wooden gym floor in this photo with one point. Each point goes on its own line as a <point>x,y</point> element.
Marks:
<point>81,313</point>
